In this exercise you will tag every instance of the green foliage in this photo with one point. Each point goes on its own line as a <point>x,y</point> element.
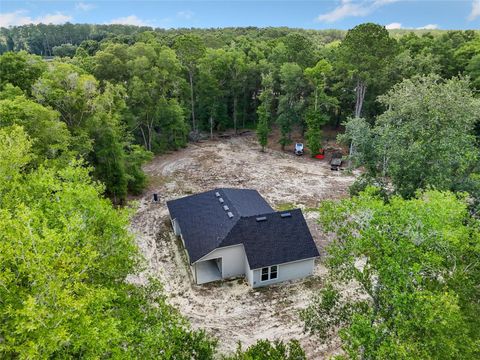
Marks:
<point>424,139</point>
<point>473,70</point>
<point>266,350</point>
<point>171,120</point>
<point>94,118</point>
<point>135,157</point>
<point>65,253</point>
<point>364,57</point>
<point>64,50</point>
<point>190,49</point>
<point>263,128</point>
<point>314,121</point>
<point>264,111</point>
<point>51,138</point>
<point>366,50</point>
<point>291,103</point>
<point>412,265</point>
<point>20,69</point>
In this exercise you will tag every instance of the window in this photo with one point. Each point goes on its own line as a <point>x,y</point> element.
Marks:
<point>273,272</point>
<point>265,274</point>
<point>269,273</point>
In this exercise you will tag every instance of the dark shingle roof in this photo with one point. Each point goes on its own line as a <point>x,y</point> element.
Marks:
<point>275,240</point>
<point>205,226</point>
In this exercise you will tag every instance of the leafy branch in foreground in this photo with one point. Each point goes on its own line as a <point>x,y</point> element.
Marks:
<point>405,276</point>
<point>65,253</point>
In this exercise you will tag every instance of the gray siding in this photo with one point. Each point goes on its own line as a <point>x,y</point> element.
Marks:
<point>288,271</point>
<point>233,260</point>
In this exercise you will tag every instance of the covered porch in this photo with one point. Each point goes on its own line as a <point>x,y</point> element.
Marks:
<point>208,270</point>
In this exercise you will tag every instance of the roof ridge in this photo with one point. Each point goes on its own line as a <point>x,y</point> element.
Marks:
<point>229,200</point>
<point>229,231</point>
<point>271,213</point>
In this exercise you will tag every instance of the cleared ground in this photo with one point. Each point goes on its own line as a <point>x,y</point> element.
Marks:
<point>231,310</point>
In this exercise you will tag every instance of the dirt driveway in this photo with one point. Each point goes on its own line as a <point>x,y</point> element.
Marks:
<point>231,310</point>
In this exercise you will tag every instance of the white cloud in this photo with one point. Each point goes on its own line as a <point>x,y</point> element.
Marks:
<point>428,27</point>
<point>84,6</point>
<point>187,15</point>
<point>353,8</point>
<point>57,18</point>
<point>129,20</point>
<point>475,10</point>
<point>20,17</point>
<point>394,25</point>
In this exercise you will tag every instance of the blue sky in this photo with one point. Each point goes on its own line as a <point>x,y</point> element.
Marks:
<point>339,14</point>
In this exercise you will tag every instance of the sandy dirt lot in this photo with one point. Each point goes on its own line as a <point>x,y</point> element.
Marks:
<point>231,310</point>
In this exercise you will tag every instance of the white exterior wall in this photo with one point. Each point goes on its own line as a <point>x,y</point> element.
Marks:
<point>194,273</point>
<point>248,272</point>
<point>176,227</point>
<point>233,260</point>
<point>287,271</point>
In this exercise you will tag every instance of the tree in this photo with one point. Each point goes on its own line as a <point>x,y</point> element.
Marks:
<point>365,52</point>
<point>263,128</point>
<point>264,110</point>
<point>51,138</point>
<point>299,49</point>
<point>291,101</point>
<point>223,74</point>
<point>317,77</point>
<point>424,139</point>
<point>473,70</point>
<point>65,253</point>
<point>412,265</point>
<point>190,48</point>
<point>237,66</point>
<point>266,350</point>
<point>314,122</point>
<point>64,50</point>
<point>94,119</point>
<point>20,69</point>
<point>155,80</point>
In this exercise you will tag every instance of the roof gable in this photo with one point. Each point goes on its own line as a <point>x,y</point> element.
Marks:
<point>205,220</point>
<point>273,238</point>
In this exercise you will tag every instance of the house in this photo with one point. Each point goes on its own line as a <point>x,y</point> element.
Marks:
<point>234,232</point>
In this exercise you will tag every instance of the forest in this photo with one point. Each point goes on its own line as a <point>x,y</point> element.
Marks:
<point>84,107</point>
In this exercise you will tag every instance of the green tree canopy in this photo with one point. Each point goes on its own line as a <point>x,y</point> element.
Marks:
<point>365,53</point>
<point>50,136</point>
<point>425,138</point>
<point>411,267</point>
<point>20,69</point>
<point>65,253</point>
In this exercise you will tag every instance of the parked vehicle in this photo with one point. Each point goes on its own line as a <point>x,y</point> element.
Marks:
<point>298,149</point>
<point>336,161</point>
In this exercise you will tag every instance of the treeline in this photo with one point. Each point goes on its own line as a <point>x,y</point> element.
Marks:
<point>125,93</point>
<point>41,39</point>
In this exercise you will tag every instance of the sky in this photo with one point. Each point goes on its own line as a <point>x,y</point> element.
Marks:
<point>313,14</point>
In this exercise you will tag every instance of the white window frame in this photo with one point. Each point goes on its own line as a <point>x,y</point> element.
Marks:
<point>269,278</point>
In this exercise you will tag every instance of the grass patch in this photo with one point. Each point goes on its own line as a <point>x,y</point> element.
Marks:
<point>285,206</point>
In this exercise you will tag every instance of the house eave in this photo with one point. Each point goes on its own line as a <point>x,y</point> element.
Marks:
<point>287,262</point>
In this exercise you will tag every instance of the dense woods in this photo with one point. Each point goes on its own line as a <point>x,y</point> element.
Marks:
<point>83,107</point>
<point>125,92</point>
